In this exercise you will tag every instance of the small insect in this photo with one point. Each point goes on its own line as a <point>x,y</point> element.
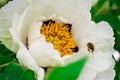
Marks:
<point>90,47</point>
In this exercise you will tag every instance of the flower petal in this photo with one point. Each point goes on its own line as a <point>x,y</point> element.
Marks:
<point>5,23</point>
<point>5,36</point>
<point>87,73</point>
<point>103,42</point>
<point>105,61</point>
<point>106,75</point>
<point>12,7</point>
<point>44,53</point>
<point>72,10</point>
<point>23,55</point>
<point>6,16</point>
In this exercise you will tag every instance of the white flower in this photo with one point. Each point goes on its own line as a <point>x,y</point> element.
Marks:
<point>40,48</point>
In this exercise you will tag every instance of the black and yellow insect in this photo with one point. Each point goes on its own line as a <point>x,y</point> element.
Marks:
<point>90,47</point>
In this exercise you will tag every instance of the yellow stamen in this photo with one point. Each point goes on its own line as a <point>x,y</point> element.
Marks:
<point>60,36</point>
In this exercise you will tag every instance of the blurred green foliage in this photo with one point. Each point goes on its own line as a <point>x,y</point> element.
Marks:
<point>10,69</point>
<point>67,73</point>
<point>3,2</point>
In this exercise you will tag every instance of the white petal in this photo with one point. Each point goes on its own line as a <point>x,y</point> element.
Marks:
<point>26,59</point>
<point>88,73</point>
<point>20,31</point>
<point>23,54</point>
<point>86,3</point>
<point>5,36</point>
<point>106,75</point>
<point>6,15</point>
<point>101,60</point>
<point>71,10</point>
<point>5,23</point>
<point>12,7</point>
<point>101,35</point>
<point>44,53</point>
<point>37,9</point>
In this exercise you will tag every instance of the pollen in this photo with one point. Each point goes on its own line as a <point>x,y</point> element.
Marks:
<point>60,35</point>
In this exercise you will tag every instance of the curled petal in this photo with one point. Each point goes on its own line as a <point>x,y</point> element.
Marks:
<point>26,59</point>
<point>6,15</point>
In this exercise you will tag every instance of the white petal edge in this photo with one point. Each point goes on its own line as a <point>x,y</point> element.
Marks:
<point>23,54</point>
<point>26,59</point>
<point>6,15</point>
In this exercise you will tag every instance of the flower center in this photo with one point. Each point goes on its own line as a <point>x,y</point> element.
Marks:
<point>60,35</point>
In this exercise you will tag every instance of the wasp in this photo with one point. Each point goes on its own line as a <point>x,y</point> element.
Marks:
<point>90,47</point>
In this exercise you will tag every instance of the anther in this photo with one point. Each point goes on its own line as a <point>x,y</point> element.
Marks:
<point>47,22</point>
